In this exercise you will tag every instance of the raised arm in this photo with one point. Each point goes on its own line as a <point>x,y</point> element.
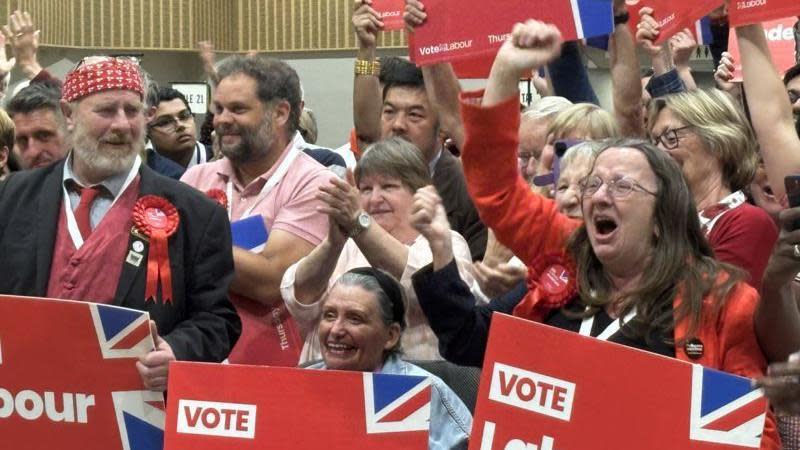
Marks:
<point>770,111</point>
<point>460,323</point>
<point>625,78</point>
<point>682,45</point>
<point>24,39</point>
<point>524,221</point>
<point>666,79</point>
<point>366,87</point>
<point>206,53</point>
<point>441,82</point>
<point>777,318</point>
<point>314,271</point>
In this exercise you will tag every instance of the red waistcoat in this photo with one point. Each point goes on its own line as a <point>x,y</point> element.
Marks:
<point>91,273</point>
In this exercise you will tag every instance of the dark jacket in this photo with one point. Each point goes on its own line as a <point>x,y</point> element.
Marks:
<point>448,179</point>
<point>200,324</point>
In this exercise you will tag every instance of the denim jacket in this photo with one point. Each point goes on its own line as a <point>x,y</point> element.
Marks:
<point>450,419</point>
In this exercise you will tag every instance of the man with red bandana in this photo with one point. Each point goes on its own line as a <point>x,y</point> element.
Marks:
<point>88,227</point>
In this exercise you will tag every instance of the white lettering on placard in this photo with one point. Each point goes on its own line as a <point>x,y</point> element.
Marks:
<point>750,4</point>
<point>498,38</point>
<point>445,47</point>
<point>666,20</point>
<point>31,405</point>
<point>217,419</point>
<point>276,320</point>
<point>532,391</point>
<point>780,33</point>
<point>487,441</point>
<point>390,14</point>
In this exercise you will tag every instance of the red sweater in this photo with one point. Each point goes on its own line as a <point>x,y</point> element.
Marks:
<point>531,226</point>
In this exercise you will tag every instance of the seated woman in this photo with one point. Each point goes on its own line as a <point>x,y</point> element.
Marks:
<point>361,328</point>
<point>369,226</point>
<point>637,270</point>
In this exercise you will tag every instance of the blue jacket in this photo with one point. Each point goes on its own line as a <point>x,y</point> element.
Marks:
<point>450,418</point>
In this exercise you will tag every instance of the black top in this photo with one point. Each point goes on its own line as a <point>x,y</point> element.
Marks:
<point>462,326</point>
<point>566,321</point>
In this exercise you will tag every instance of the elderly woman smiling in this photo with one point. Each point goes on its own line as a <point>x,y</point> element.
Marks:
<point>637,270</point>
<point>363,318</point>
<point>369,226</point>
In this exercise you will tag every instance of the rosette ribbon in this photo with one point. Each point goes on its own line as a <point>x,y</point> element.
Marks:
<point>219,196</point>
<point>157,218</point>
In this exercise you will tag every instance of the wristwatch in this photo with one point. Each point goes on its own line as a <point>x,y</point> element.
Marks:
<point>621,19</point>
<point>363,222</point>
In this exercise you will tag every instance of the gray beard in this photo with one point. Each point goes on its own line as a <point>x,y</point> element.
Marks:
<point>103,163</point>
<point>254,145</point>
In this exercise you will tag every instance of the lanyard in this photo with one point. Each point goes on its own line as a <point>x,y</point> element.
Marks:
<point>611,329</point>
<point>72,224</point>
<point>200,153</point>
<point>271,183</point>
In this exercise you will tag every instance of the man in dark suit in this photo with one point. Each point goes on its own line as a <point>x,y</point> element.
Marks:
<point>100,226</point>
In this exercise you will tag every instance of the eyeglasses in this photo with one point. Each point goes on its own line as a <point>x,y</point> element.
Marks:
<point>168,124</point>
<point>794,96</point>
<point>619,188</point>
<point>670,138</point>
<point>524,158</point>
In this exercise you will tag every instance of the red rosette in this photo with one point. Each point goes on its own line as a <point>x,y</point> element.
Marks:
<point>157,218</point>
<point>219,196</point>
<point>551,285</point>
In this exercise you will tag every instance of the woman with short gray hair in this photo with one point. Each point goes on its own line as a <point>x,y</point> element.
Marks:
<point>369,216</point>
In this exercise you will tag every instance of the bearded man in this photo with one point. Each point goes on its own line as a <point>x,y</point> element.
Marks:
<point>264,176</point>
<point>87,228</point>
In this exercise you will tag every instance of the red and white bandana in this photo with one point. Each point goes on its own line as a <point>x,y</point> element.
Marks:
<point>112,73</point>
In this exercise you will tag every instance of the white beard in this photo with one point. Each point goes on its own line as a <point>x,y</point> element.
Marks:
<point>102,159</point>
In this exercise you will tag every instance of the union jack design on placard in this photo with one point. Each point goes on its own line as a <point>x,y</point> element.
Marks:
<point>396,403</point>
<point>125,333</point>
<point>100,401</point>
<point>702,31</point>
<point>592,17</point>
<point>725,409</point>
<point>122,333</point>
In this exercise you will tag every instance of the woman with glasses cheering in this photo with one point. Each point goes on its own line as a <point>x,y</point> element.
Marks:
<point>712,142</point>
<point>636,270</point>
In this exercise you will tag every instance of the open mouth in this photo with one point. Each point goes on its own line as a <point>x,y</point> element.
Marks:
<point>604,226</point>
<point>767,189</point>
<point>341,350</point>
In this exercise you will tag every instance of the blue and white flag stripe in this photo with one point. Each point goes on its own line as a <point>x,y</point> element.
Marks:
<point>592,17</point>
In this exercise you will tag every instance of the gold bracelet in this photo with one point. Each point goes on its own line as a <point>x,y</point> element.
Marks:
<point>367,68</point>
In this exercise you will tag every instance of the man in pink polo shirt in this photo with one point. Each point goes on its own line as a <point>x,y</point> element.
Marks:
<point>257,112</point>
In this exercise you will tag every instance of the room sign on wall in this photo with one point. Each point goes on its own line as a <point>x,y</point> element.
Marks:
<point>196,94</point>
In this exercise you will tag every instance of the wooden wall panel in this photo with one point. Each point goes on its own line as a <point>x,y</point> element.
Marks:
<point>233,25</point>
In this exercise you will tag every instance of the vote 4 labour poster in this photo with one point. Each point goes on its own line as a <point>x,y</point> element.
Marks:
<point>68,377</point>
<point>459,29</point>
<point>233,407</point>
<point>548,389</point>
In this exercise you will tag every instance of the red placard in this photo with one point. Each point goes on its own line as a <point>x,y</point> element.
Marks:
<point>555,389</point>
<point>745,12</point>
<point>391,13</point>
<point>780,39</point>
<point>672,15</point>
<point>221,407</point>
<point>68,377</point>
<point>457,29</point>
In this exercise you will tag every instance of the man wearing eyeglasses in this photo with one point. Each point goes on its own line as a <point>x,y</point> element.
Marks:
<point>172,130</point>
